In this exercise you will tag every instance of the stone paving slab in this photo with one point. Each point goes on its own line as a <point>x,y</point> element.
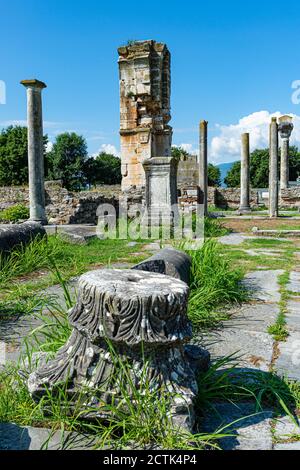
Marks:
<point>14,437</point>
<point>232,239</point>
<point>288,446</point>
<point>288,362</point>
<point>254,317</point>
<point>264,285</point>
<point>294,282</point>
<point>285,428</point>
<point>293,314</point>
<point>251,433</point>
<point>254,347</point>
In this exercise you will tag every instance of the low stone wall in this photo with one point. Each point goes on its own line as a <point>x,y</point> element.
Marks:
<point>66,207</point>
<point>290,198</point>
<point>230,198</point>
<point>63,206</point>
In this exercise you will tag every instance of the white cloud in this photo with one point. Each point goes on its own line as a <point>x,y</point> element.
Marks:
<point>107,148</point>
<point>188,148</point>
<point>49,147</point>
<point>226,146</point>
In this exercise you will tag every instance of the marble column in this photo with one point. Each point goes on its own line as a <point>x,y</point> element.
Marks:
<point>35,150</point>
<point>245,176</point>
<point>273,170</point>
<point>285,128</point>
<point>203,178</point>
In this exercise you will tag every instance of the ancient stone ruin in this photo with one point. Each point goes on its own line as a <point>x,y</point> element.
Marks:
<point>145,107</point>
<point>132,316</point>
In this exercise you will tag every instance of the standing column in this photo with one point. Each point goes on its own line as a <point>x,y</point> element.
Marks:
<point>273,170</point>
<point>35,150</point>
<point>284,164</point>
<point>203,179</point>
<point>245,183</point>
<point>285,128</point>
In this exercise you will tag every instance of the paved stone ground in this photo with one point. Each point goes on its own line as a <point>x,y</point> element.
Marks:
<point>246,333</point>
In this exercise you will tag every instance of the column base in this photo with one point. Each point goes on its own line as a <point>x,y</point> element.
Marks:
<point>244,210</point>
<point>39,221</point>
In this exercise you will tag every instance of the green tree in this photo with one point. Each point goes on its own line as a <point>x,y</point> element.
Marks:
<point>179,153</point>
<point>104,169</point>
<point>67,159</point>
<point>259,168</point>
<point>214,175</point>
<point>14,156</point>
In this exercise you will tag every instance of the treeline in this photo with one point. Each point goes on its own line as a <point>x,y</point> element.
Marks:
<point>68,161</point>
<point>259,169</point>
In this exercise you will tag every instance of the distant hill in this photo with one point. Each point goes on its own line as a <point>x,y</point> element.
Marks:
<point>224,167</point>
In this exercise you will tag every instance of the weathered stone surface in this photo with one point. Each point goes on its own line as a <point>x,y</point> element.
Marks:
<point>254,317</point>
<point>293,314</point>
<point>161,191</point>
<point>35,150</point>
<point>288,446</point>
<point>78,235</point>
<point>254,348</point>
<point>143,315</point>
<point>168,261</point>
<point>294,282</point>
<point>19,234</point>
<point>285,428</point>
<point>273,169</point>
<point>145,107</point>
<point>245,175</point>
<point>14,437</point>
<point>251,433</point>
<point>264,285</point>
<point>203,175</point>
<point>232,239</point>
<point>288,362</point>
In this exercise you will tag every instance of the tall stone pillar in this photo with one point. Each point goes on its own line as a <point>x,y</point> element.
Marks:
<point>35,150</point>
<point>285,128</point>
<point>203,178</point>
<point>245,174</point>
<point>144,71</point>
<point>273,170</point>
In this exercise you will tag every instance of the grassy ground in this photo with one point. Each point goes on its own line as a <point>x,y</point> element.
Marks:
<point>28,271</point>
<point>217,271</point>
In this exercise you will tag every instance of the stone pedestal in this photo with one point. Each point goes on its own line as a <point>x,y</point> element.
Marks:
<point>35,150</point>
<point>285,128</point>
<point>203,177</point>
<point>161,191</point>
<point>273,173</point>
<point>245,176</point>
<point>134,318</point>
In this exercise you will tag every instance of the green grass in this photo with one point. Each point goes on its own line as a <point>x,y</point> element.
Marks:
<point>214,228</point>
<point>15,213</point>
<point>29,270</point>
<point>279,329</point>
<point>214,285</point>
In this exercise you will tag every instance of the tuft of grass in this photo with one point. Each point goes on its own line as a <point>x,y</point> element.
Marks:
<point>15,213</point>
<point>279,329</point>
<point>214,228</point>
<point>214,285</point>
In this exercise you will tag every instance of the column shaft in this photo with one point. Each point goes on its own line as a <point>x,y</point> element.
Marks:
<point>203,177</point>
<point>284,164</point>
<point>35,150</point>
<point>273,173</point>
<point>245,183</point>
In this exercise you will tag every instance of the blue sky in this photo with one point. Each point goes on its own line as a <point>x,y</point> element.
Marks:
<point>233,64</point>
